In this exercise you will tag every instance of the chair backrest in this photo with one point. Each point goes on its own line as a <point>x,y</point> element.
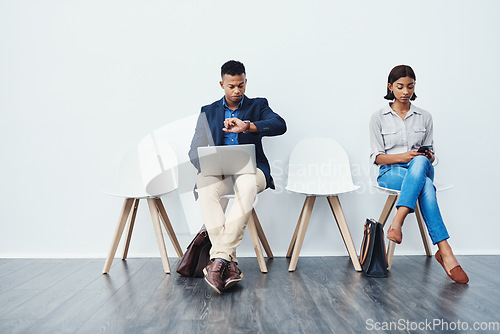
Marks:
<point>178,134</point>
<point>151,168</point>
<point>319,166</point>
<point>159,166</point>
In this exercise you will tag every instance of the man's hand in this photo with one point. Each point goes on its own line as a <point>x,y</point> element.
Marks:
<point>235,125</point>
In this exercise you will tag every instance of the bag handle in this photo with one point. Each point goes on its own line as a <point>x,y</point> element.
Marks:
<point>365,245</point>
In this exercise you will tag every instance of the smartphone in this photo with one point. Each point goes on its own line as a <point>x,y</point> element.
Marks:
<point>422,149</point>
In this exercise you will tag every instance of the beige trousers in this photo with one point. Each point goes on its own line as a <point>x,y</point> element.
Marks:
<point>226,233</point>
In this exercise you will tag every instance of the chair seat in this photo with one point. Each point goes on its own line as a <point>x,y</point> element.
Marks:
<point>136,195</point>
<point>338,191</point>
<point>387,190</point>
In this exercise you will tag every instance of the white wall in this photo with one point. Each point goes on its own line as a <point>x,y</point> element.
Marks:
<point>80,81</point>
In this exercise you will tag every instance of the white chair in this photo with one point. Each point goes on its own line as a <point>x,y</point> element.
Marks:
<point>392,198</point>
<point>147,172</point>
<point>320,167</point>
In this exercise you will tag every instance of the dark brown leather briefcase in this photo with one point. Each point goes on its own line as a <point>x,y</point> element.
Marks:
<point>196,256</point>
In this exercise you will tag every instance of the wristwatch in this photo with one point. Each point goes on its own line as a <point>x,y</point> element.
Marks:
<point>247,122</point>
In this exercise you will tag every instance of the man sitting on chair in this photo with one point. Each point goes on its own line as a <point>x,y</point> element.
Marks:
<point>234,119</point>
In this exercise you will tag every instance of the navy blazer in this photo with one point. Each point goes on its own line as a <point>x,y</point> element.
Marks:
<point>257,111</point>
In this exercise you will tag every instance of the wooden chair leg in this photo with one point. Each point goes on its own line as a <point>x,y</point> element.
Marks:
<point>338,213</point>
<point>389,205</point>
<point>301,233</point>
<point>294,237</point>
<point>153,210</point>
<point>423,229</point>
<point>130,228</point>
<point>168,226</point>
<point>127,205</point>
<point>256,244</point>
<point>391,200</point>
<point>262,236</point>
<point>390,253</point>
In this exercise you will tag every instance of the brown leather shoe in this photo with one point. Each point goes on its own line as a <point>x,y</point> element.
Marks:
<point>457,273</point>
<point>215,272</point>
<point>394,235</point>
<point>233,275</point>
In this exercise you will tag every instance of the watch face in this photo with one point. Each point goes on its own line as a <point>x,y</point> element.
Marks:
<point>247,122</point>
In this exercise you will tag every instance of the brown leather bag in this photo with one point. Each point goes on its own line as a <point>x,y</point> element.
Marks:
<point>196,256</point>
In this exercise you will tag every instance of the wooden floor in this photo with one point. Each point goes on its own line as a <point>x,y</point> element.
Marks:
<point>324,295</point>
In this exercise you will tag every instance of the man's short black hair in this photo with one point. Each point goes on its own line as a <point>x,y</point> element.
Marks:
<point>232,67</point>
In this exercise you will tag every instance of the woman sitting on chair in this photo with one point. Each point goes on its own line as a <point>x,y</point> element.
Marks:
<point>401,144</point>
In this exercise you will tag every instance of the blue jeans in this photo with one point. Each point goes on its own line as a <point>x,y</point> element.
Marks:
<point>414,181</point>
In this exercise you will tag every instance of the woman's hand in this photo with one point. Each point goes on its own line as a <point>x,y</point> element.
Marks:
<point>429,155</point>
<point>389,159</point>
<point>408,156</point>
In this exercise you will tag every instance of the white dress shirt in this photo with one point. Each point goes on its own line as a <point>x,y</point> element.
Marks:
<point>390,134</point>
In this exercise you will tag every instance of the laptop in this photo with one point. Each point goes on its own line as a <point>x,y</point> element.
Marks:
<point>227,159</point>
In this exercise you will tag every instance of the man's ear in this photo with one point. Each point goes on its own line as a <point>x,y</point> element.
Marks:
<point>222,84</point>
